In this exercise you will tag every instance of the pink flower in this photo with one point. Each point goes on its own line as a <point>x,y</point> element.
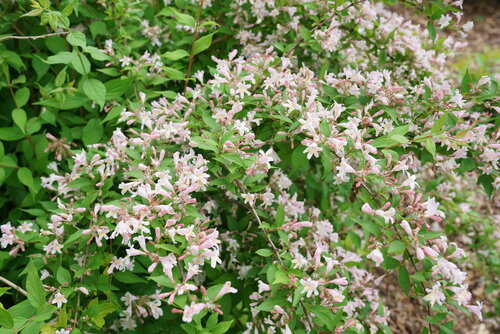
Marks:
<point>191,310</point>
<point>309,287</point>
<point>435,295</point>
<point>225,290</point>
<point>376,256</point>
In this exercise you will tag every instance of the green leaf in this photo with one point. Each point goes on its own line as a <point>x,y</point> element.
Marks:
<point>63,275</point>
<point>116,87</point>
<point>98,28</point>
<point>185,19</point>
<point>112,114</point>
<point>467,165</point>
<point>280,215</point>
<point>81,64</point>
<point>92,132</point>
<point>404,279</point>
<point>45,312</point>
<point>60,78</point>
<point>33,125</point>
<point>324,314</point>
<point>325,128</point>
<point>34,12</point>
<point>95,90</point>
<point>305,33</point>
<point>222,327</point>
<point>96,54</point>
<point>19,118</point>
<point>12,58</point>
<point>280,277</point>
<point>128,277</point>
<point>487,182</point>
<point>6,319</point>
<point>22,96</point>
<point>77,38</point>
<point>327,161</point>
<point>299,159</point>
<point>63,57</point>
<point>34,287</point>
<point>432,30</point>
<point>466,80</point>
<point>173,73</point>
<point>371,227</point>
<point>26,177</point>
<point>72,238</point>
<point>400,139</point>
<point>62,319</point>
<point>202,43</point>
<point>439,123</point>
<point>397,246</point>
<point>11,134</point>
<point>268,304</point>
<point>72,6</point>
<point>176,55</point>
<point>264,252</point>
<point>430,146</point>
<point>383,142</point>
<point>97,312</point>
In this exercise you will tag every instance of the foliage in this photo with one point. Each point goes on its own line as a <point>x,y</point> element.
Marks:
<point>249,166</point>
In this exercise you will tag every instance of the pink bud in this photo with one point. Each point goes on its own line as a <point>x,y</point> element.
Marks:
<point>430,252</point>
<point>406,226</point>
<point>366,208</point>
<point>420,254</point>
<point>340,281</point>
<point>278,309</point>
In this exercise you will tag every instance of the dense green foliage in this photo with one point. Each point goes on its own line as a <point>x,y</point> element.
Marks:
<point>241,166</point>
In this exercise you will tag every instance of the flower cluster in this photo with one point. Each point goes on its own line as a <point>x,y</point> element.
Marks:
<point>281,192</point>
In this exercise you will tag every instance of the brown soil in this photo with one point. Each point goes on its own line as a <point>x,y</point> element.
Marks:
<point>486,17</point>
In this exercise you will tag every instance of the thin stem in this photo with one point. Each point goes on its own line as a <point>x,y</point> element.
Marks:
<point>7,77</point>
<point>242,188</point>
<point>13,286</point>
<point>191,54</point>
<point>75,319</point>
<point>34,37</point>
<point>7,166</point>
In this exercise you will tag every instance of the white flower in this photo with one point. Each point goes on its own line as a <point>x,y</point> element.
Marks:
<point>53,247</point>
<point>310,287</point>
<point>191,310</point>
<point>63,331</point>
<point>263,287</point>
<point>432,208</point>
<point>376,256</point>
<point>155,309</point>
<point>25,227</point>
<point>410,182</point>
<point>476,310</point>
<point>59,299</point>
<point>225,290</point>
<point>444,21</point>
<point>387,215</point>
<point>312,149</point>
<point>435,295</point>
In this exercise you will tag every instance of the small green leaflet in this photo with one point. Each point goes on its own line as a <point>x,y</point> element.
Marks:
<point>36,293</point>
<point>404,279</point>
<point>77,38</point>
<point>202,43</point>
<point>95,90</point>
<point>397,247</point>
<point>264,252</point>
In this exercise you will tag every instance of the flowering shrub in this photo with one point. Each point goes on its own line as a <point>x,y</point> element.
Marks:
<point>269,164</point>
